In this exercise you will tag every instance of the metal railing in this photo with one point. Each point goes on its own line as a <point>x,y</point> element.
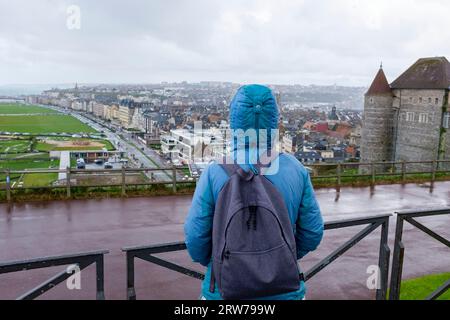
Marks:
<point>399,249</point>
<point>80,260</point>
<point>147,253</point>
<point>169,173</point>
<point>170,176</point>
<point>374,170</point>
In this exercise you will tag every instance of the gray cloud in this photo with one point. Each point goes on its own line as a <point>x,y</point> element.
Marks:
<point>279,41</point>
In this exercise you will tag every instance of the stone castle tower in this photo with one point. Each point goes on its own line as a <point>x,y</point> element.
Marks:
<point>408,120</point>
<point>378,124</point>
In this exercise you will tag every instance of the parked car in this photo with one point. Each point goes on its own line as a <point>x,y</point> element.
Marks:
<point>108,165</point>
<point>98,161</point>
<point>81,164</point>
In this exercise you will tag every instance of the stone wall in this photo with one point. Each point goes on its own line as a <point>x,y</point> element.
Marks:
<point>418,125</point>
<point>377,130</point>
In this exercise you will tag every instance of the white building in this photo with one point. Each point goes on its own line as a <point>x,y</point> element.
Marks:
<point>168,144</point>
<point>184,146</point>
<point>289,144</point>
<point>327,154</point>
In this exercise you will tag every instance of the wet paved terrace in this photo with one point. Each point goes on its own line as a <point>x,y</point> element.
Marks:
<point>39,229</point>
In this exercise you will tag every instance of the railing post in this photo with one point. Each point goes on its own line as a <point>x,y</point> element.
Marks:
<point>403,171</point>
<point>433,173</point>
<point>68,182</point>
<point>338,172</point>
<point>397,261</point>
<point>99,268</point>
<point>131,292</point>
<point>372,169</point>
<point>8,186</point>
<point>383,261</point>
<point>123,182</point>
<point>174,180</point>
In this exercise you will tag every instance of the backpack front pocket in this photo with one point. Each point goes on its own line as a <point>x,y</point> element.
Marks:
<point>253,274</point>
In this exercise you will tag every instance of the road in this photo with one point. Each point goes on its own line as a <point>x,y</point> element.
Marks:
<point>134,149</point>
<point>157,160</point>
<point>123,142</point>
<point>37,229</point>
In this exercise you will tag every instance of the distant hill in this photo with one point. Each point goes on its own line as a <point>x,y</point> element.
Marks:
<point>25,89</point>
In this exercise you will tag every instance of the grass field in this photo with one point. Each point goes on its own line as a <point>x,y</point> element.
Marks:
<point>43,124</point>
<point>23,156</point>
<point>41,161</point>
<point>14,146</point>
<point>420,288</point>
<point>18,108</point>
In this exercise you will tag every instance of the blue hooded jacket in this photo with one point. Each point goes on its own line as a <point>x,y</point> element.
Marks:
<point>254,106</point>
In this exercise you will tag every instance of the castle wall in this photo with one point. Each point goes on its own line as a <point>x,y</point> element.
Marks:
<point>418,124</point>
<point>446,134</point>
<point>377,129</point>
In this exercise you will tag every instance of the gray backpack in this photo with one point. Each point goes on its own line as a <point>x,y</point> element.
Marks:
<point>253,244</point>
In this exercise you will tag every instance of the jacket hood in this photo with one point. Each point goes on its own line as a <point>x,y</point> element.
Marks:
<point>254,107</point>
<point>253,116</point>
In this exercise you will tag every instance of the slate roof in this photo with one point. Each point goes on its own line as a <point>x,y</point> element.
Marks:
<point>426,73</point>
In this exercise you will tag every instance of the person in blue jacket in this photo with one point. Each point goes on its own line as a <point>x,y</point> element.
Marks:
<point>291,179</point>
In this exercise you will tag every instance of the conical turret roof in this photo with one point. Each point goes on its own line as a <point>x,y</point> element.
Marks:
<point>380,85</point>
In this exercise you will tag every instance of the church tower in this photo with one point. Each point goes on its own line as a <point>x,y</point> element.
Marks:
<point>378,122</point>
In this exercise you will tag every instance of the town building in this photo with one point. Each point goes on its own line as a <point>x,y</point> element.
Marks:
<point>308,157</point>
<point>289,143</point>
<point>98,110</point>
<point>407,120</point>
<point>184,146</point>
<point>125,115</point>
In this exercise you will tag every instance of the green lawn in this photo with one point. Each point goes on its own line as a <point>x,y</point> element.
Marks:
<point>43,124</point>
<point>42,162</point>
<point>31,179</point>
<point>420,288</point>
<point>18,108</point>
<point>39,179</point>
<point>24,156</point>
<point>14,146</point>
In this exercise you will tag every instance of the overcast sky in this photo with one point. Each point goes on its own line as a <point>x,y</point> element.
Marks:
<point>245,41</point>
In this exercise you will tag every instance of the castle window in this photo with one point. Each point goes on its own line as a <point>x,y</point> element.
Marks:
<point>429,100</point>
<point>410,116</point>
<point>420,100</point>
<point>446,120</point>
<point>371,100</point>
<point>410,99</point>
<point>423,117</point>
<point>436,101</point>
